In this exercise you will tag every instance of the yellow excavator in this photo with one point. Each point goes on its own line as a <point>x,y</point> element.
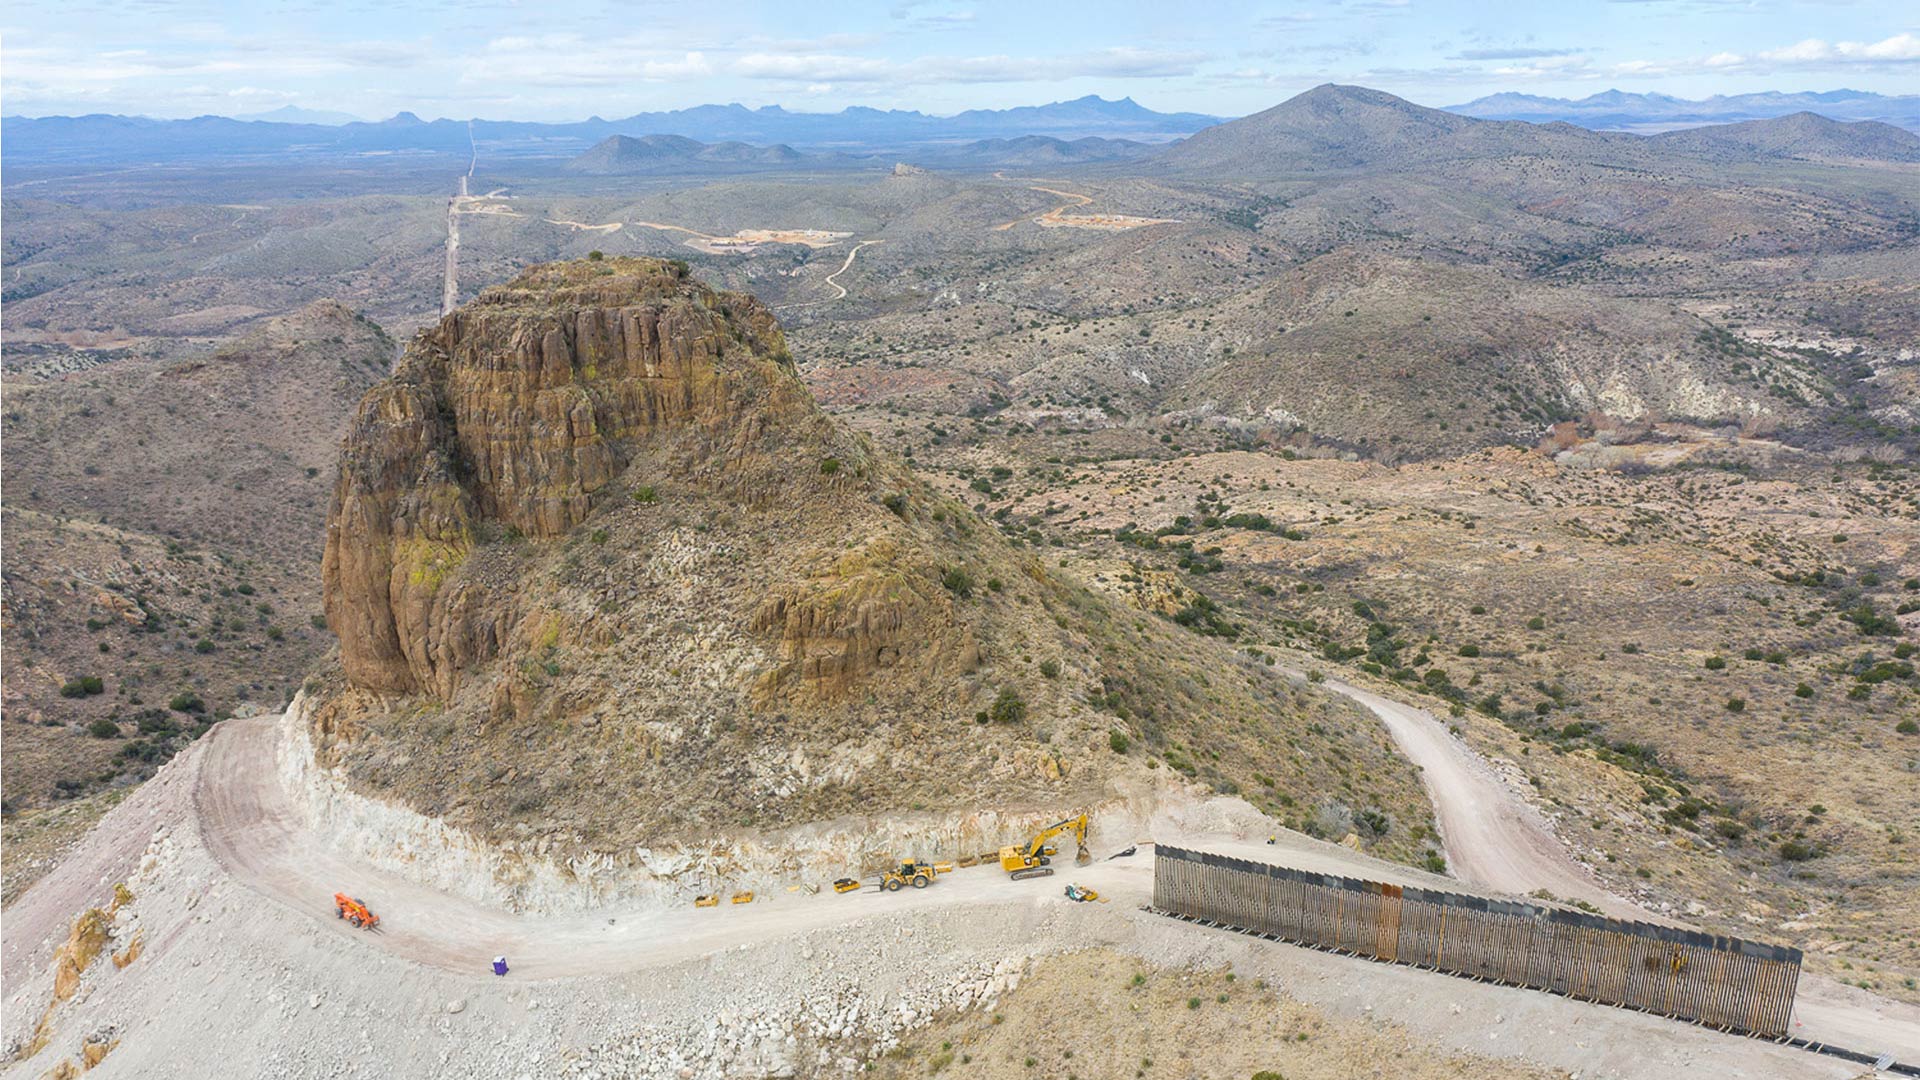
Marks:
<point>1034,858</point>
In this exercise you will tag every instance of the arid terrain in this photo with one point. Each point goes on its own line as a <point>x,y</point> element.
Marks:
<point>1333,475</point>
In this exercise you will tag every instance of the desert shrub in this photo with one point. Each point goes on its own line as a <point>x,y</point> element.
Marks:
<point>1797,851</point>
<point>1050,668</point>
<point>1715,663</point>
<point>1330,820</point>
<point>1469,651</point>
<point>1008,707</point>
<point>958,582</point>
<point>645,495</point>
<point>83,686</point>
<point>186,701</point>
<point>1736,705</point>
<point>898,504</point>
<point>1537,623</point>
<point>829,466</point>
<point>1117,742</point>
<point>104,728</point>
<point>1803,691</point>
<point>1908,727</point>
<point>596,255</point>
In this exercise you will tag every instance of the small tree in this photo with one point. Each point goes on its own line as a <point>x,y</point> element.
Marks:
<point>958,582</point>
<point>104,728</point>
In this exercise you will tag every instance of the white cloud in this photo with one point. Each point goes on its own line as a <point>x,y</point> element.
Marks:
<point>1899,48</point>
<point>572,60</point>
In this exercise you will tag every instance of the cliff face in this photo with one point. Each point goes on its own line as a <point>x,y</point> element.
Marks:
<point>515,413</point>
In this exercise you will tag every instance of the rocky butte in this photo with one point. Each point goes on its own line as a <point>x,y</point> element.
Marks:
<point>607,583</point>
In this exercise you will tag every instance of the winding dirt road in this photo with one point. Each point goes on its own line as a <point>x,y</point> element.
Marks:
<point>253,829</point>
<point>1496,840</point>
<point>831,281</point>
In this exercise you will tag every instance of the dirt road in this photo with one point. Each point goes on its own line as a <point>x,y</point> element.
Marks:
<point>1496,840</point>
<point>831,282</point>
<point>252,828</point>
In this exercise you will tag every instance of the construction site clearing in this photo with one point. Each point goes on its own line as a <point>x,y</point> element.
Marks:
<point>747,241</point>
<point>1104,222</point>
<point>220,865</point>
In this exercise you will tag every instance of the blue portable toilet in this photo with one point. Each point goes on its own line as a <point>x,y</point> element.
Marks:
<point>499,965</point>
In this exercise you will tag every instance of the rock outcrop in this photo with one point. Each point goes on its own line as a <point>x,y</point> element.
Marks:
<point>607,582</point>
<point>515,413</point>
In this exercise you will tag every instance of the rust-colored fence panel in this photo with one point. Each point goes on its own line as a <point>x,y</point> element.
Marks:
<point>1726,982</point>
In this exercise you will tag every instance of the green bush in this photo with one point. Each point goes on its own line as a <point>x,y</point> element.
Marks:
<point>1050,668</point>
<point>1117,742</point>
<point>1736,705</point>
<point>1803,691</point>
<point>829,466</point>
<point>1008,707</point>
<point>1907,727</point>
<point>645,495</point>
<point>186,701</point>
<point>83,686</point>
<point>104,728</point>
<point>1715,663</point>
<point>1797,851</point>
<point>958,582</point>
<point>1469,651</point>
<point>1537,623</point>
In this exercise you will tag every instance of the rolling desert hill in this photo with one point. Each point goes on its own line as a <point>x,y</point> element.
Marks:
<point>618,155</point>
<point>1350,127</point>
<point>1802,135</point>
<point>163,522</point>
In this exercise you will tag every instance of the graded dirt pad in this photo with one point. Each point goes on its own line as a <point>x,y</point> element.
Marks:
<point>245,972</point>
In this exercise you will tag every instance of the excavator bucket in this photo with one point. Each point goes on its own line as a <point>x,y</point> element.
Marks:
<point>1082,857</point>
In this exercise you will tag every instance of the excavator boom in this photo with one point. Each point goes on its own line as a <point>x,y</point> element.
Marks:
<point>1032,858</point>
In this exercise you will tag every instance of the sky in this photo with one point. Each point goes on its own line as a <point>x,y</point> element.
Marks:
<point>569,59</point>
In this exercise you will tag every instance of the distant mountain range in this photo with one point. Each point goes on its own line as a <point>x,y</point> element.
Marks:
<point>1330,127</point>
<point>623,155</point>
<point>1617,110</point>
<point>101,138</point>
<point>1335,128</point>
<point>293,114</point>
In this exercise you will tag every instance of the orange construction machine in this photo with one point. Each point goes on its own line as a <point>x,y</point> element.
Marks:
<point>354,911</point>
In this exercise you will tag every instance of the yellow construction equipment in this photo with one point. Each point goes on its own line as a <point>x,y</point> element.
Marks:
<point>846,884</point>
<point>743,898</point>
<point>1083,896</point>
<point>1034,858</point>
<point>911,872</point>
<point>708,900</point>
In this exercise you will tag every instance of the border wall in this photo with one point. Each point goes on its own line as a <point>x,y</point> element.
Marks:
<point>1728,983</point>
